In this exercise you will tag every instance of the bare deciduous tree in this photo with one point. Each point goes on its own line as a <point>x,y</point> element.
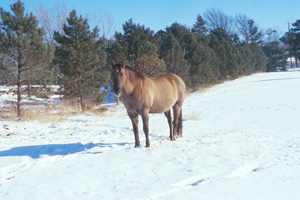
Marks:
<point>104,22</point>
<point>52,19</point>
<point>247,29</point>
<point>217,19</point>
<point>242,26</point>
<point>61,15</point>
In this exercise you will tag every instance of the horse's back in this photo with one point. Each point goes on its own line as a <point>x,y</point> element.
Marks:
<point>175,81</point>
<point>167,90</point>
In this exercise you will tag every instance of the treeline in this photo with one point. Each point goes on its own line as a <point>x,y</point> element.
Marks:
<point>77,57</point>
<point>197,56</point>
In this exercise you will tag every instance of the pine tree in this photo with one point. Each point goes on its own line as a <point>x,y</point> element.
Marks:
<point>149,62</point>
<point>292,39</point>
<point>245,59</point>
<point>132,44</point>
<point>260,58</point>
<point>276,56</point>
<point>226,51</point>
<point>81,59</point>
<point>199,26</point>
<point>21,40</point>
<point>173,55</point>
<point>204,66</point>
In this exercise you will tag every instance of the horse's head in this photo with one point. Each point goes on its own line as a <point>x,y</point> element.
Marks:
<point>118,77</point>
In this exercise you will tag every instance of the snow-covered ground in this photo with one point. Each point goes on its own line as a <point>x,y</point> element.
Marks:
<point>241,140</point>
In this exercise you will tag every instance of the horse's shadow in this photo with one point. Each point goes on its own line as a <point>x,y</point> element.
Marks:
<point>55,149</point>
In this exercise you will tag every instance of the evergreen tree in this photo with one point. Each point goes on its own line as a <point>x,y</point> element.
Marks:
<point>247,29</point>
<point>7,71</point>
<point>199,26</point>
<point>137,47</point>
<point>255,36</point>
<point>222,44</point>
<point>133,42</point>
<point>174,57</point>
<point>21,40</point>
<point>204,66</point>
<point>246,59</point>
<point>173,50</point>
<point>81,59</point>
<point>276,56</point>
<point>292,39</point>
<point>149,62</point>
<point>260,58</point>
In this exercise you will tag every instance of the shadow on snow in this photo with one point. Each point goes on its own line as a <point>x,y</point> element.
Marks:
<point>55,149</point>
<point>281,79</point>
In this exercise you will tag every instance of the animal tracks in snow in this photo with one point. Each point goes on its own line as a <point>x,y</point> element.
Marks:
<point>209,178</point>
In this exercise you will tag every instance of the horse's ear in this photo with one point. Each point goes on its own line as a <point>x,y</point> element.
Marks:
<point>112,63</point>
<point>123,64</point>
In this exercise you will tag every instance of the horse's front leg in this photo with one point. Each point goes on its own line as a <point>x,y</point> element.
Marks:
<point>145,118</point>
<point>135,124</point>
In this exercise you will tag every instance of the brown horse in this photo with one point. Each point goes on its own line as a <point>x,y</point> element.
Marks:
<point>142,95</point>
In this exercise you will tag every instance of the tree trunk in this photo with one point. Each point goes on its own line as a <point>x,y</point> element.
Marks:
<point>193,84</point>
<point>28,89</point>
<point>19,93</point>
<point>82,103</point>
<point>296,62</point>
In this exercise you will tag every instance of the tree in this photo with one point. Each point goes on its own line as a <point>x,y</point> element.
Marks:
<point>292,39</point>
<point>276,56</point>
<point>246,28</point>
<point>204,66</point>
<point>255,35</point>
<point>138,48</point>
<point>7,70</point>
<point>216,19</point>
<point>81,59</point>
<point>21,40</point>
<point>133,41</point>
<point>260,58</point>
<point>52,19</point>
<point>149,62</point>
<point>242,26</point>
<point>223,46</point>
<point>199,26</point>
<point>246,59</point>
<point>173,55</point>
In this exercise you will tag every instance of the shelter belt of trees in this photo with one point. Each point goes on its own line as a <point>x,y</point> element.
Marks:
<point>72,54</point>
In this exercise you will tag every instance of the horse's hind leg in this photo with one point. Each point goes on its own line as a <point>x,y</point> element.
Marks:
<point>145,118</point>
<point>176,125</point>
<point>169,117</point>
<point>179,127</point>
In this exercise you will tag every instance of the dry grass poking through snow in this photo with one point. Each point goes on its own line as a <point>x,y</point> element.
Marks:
<point>49,113</point>
<point>193,116</point>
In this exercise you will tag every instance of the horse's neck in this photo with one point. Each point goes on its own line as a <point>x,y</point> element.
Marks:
<point>131,83</point>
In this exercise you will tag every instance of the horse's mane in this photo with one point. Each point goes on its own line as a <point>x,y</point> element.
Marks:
<point>138,75</point>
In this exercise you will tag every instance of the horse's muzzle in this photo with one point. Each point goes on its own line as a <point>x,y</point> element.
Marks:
<point>117,93</point>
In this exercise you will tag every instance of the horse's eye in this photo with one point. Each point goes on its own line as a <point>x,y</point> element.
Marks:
<point>121,74</point>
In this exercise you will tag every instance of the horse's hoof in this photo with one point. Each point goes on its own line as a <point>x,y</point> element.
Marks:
<point>136,146</point>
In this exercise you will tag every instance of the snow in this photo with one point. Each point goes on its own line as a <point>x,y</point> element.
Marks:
<point>245,145</point>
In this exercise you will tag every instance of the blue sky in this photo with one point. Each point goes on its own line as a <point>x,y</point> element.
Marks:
<point>158,14</point>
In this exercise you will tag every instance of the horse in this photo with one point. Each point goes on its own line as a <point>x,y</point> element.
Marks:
<point>142,95</point>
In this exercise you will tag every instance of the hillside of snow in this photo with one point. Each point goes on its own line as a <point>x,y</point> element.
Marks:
<point>241,140</point>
